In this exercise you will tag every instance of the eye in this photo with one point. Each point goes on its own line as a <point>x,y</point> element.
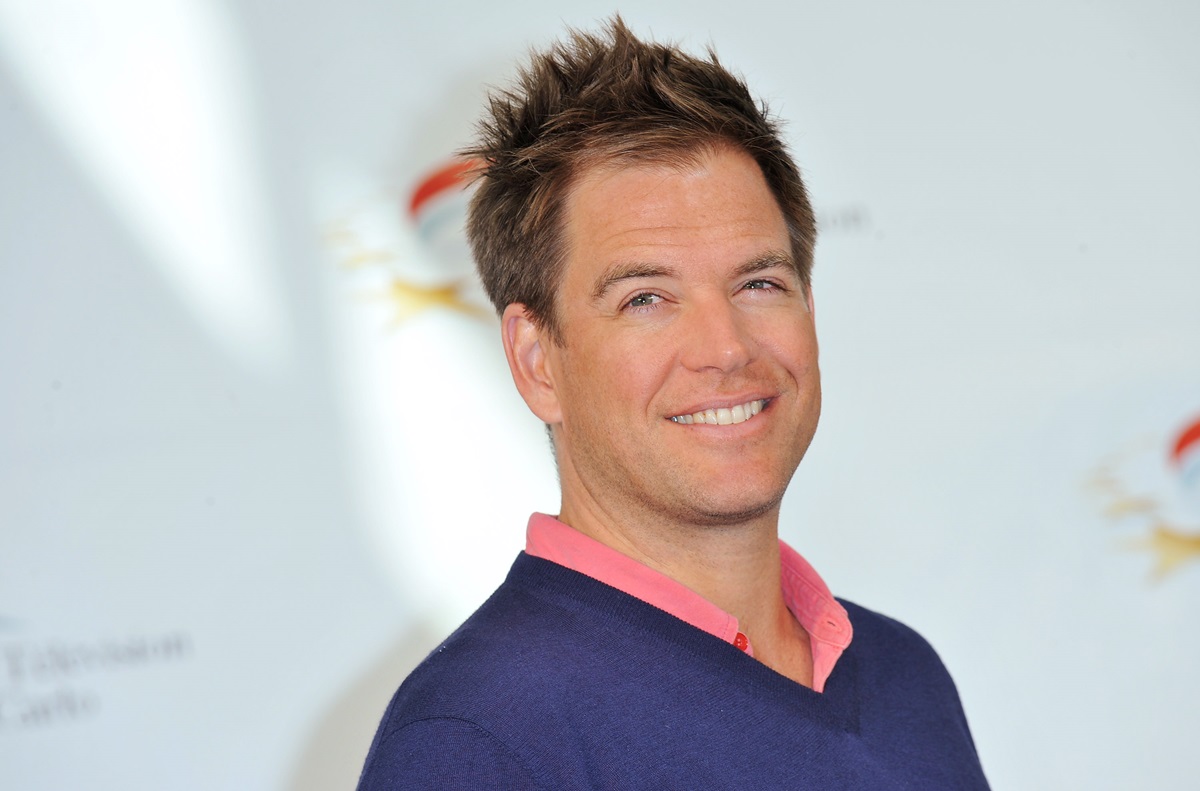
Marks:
<point>762,284</point>
<point>643,300</point>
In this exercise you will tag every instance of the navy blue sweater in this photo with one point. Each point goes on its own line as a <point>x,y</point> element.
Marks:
<point>560,682</point>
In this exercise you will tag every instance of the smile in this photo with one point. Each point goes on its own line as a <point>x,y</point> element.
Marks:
<point>723,416</point>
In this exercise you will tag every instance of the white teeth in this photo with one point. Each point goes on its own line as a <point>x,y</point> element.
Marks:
<point>723,416</point>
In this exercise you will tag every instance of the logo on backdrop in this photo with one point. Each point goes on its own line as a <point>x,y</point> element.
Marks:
<point>52,682</point>
<point>410,252</point>
<point>1153,487</point>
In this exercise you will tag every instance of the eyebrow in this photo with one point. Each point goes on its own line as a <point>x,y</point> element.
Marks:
<point>768,260</point>
<point>631,271</point>
<point>618,272</point>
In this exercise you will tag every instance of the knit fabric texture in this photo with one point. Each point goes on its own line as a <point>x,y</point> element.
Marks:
<point>561,682</point>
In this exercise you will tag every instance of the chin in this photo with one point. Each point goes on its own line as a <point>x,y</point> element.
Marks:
<point>731,497</point>
<point>735,510</point>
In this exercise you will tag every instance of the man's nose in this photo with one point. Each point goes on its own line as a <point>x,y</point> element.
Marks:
<point>716,336</point>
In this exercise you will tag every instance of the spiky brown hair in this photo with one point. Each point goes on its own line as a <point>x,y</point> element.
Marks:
<point>602,99</point>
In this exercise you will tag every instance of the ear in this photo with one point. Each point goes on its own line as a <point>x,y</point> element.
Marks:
<point>526,347</point>
<point>808,298</point>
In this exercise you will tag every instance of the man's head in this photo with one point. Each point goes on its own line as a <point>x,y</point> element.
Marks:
<point>604,100</point>
<point>649,242</point>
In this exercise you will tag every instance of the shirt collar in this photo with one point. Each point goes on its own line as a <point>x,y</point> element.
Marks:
<point>804,592</point>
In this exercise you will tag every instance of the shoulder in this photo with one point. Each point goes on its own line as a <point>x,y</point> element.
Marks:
<point>442,753</point>
<point>500,698</point>
<point>902,677</point>
<point>508,672</point>
<point>490,656</point>
<point>888,648</point>
<point>882,630</point>
<point>449,725</point>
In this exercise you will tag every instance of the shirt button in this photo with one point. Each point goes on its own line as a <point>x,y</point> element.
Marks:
<point>740,642</point>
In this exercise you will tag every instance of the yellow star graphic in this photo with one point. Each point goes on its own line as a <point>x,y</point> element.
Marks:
<point>410,299</point>
<point>1171,547</point>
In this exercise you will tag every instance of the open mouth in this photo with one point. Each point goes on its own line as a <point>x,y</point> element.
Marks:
<point>725,416</point>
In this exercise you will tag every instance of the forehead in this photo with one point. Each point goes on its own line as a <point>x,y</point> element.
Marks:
<point>712,211</point>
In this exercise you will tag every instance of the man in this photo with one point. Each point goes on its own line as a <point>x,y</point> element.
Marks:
<point>648,242</point>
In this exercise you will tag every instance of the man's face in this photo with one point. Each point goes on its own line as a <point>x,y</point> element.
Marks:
<point>680,308</point>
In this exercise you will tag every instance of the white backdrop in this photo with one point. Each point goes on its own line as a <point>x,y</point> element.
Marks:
<point>259,450</point>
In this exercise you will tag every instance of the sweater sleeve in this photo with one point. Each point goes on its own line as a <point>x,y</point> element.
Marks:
<point>443,753</point>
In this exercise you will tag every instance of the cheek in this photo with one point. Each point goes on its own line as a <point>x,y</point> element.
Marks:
<point>619,376</point>
<point>793,343</point>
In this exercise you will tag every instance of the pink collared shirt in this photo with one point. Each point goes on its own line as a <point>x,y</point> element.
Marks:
<point>804,592</point>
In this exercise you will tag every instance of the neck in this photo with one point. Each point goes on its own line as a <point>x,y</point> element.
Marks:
<point>735,566</point>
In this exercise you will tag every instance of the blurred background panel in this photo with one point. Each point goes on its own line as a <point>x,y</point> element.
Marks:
<point>259,449</point>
